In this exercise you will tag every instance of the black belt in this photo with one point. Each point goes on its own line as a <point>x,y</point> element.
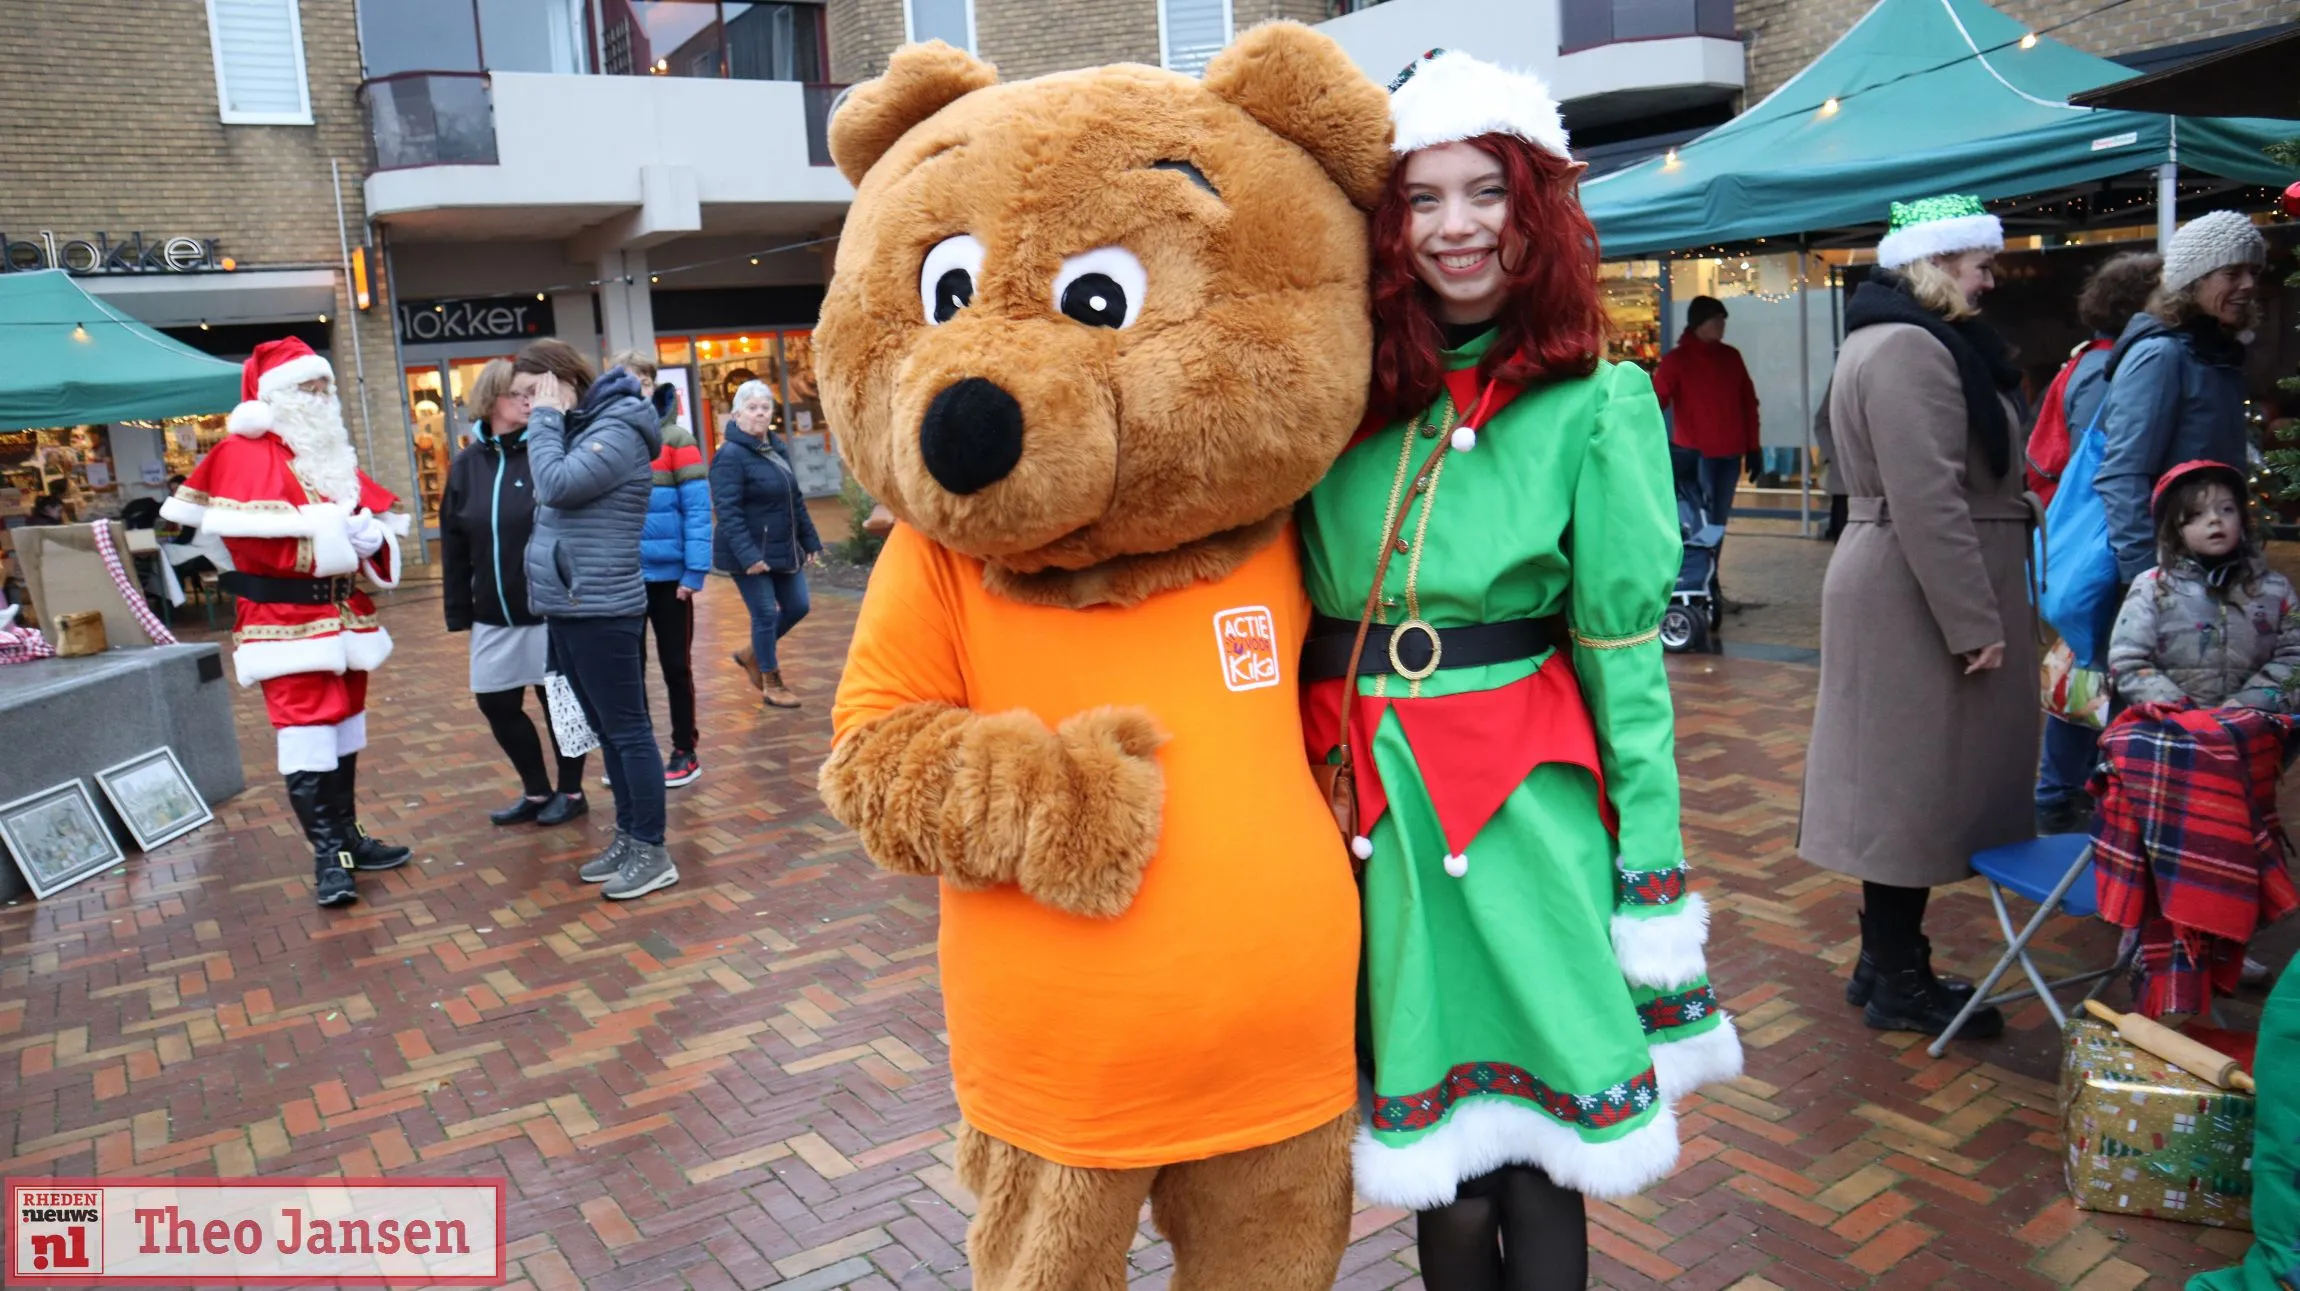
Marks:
<point>289,591</point>
<point>1415,649</point>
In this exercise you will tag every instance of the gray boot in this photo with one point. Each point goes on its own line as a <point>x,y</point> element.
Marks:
<point>603,867</point>
<point>646,867</point>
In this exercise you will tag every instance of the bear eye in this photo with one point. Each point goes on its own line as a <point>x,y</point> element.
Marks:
<point>946,280</point>
<point>1104,287</point>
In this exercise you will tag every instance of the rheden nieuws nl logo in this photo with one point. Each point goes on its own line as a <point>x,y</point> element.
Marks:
<point>238,1232</point>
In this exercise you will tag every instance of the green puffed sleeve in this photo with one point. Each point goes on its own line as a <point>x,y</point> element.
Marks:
<point>1626,552</point>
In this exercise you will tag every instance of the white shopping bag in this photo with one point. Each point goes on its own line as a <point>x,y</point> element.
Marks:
<point>574,734</point>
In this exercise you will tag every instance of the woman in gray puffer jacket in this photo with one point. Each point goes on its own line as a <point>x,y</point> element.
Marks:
<point>2211,626</point>
<point>590,449</point>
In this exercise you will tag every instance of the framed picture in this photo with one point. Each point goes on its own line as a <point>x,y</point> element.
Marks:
<point>155,797</point>
<point>56,838</point>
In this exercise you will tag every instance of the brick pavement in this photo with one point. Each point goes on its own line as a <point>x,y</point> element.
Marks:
<point>740,1082</point>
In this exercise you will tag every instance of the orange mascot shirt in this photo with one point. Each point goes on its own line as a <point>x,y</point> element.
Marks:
<point>1217,1013</point>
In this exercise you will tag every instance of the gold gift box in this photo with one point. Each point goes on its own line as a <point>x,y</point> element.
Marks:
<point>2144,1137</point>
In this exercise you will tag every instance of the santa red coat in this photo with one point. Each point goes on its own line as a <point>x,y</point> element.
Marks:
<point>312,660</point>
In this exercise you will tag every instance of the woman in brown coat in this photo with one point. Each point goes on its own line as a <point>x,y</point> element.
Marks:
<point>1925,740</point>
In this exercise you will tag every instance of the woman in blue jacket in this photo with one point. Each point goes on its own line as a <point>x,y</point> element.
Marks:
<point>674,556</point>
<point>765,536</point>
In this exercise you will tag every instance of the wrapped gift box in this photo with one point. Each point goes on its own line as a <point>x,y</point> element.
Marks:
<point>2146,1138</point>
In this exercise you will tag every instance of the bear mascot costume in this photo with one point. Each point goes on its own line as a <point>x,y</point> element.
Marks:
<point>1089,338</point>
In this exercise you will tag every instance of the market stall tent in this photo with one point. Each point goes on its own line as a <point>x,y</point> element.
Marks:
<point>68,359</point>
<point>1919,97</point>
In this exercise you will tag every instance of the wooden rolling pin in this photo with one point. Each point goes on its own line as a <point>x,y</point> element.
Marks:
<point>2194,1057</point>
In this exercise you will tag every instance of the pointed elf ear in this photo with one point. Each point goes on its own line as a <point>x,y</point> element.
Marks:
<point>1302,86</point>
<point>920,81</point>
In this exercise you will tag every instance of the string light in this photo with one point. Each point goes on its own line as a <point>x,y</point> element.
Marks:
<point>2028,40</point>
<point>79,332</point>
<point>1829,106</point>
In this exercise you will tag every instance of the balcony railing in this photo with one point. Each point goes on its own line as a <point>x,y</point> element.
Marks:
<point>431,119</point>
<point>448,119</point>
<point>1586,24</point>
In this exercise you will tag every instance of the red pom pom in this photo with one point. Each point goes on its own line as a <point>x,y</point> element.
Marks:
<point>2292,201</point>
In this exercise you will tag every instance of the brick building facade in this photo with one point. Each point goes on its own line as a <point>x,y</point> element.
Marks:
<point>110,123</point>
<point>1025,38</point>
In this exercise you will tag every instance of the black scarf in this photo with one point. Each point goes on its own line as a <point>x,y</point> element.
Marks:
<point>1983,366</point>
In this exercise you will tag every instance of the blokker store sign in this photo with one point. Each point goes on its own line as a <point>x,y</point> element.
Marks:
<point>495,318</point>
<point>103,253</point>
<point>237,1232</point>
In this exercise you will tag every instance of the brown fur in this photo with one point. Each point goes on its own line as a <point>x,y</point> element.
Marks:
<point>1070,815</point>
<point>1275,1218</point>
<point>1218,408</point>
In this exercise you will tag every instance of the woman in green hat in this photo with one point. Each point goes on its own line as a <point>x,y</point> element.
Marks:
<point>1536,994</point>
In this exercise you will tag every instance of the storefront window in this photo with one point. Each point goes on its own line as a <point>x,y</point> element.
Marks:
<point>721,363</point>
<point>1631,291</point>
<point>1781,321</point>
<point>74,462</point>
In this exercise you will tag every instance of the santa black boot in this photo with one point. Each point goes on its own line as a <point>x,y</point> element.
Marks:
<point>309,792</point>
<point>366,853</point>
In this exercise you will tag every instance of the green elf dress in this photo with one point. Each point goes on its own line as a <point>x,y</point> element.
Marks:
<point>1535,991</point>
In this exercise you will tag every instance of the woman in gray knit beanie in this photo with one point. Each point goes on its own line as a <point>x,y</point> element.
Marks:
<point>2176,377</point>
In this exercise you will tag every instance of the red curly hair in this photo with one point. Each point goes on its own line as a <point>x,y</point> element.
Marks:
<point>1552,325</point>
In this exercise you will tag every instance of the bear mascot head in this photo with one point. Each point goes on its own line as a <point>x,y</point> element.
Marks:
<point>1100,330</point>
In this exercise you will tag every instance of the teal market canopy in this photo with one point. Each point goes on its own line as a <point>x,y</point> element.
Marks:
<point>1920,97</point>
<point>67,359</point>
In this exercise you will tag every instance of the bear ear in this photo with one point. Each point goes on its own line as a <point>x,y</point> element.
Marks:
<point>1301,85</point>
<point>920,81</point>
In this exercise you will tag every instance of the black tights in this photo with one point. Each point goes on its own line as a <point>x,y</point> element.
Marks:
<point>1893,925</point>
<point>1512,1230</point>
<point>507,717</point>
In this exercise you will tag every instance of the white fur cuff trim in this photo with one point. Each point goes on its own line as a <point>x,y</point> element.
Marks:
<point>382,568</point>
<point>331,551</point>
<point>1940,238</point>
<point>294,372</point>
<point>351,735</point>
<point>1663,951</point>
<point>1684,1066</point>
<point>365,650</point>
<point>251,418</point>
<point>259,661</point>
<point>306,748</point>
<point>1486,1133</point>
<point>178,511</point>
<point>397,523</point>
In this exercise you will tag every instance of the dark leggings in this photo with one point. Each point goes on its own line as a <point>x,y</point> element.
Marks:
<point>1893,924</point>
<point>507,717</point>
<point>1512,1230</point>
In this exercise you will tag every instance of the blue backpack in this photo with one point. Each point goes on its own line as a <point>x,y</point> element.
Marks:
<point>2077,585</point>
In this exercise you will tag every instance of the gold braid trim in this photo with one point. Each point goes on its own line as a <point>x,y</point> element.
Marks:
<point>1617,643</point>
<point>344,621</point>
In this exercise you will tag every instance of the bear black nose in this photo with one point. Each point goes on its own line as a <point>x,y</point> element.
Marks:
<point>972,435</point>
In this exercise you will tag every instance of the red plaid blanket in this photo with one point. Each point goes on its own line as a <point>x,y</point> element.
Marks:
<point>2187,846</point>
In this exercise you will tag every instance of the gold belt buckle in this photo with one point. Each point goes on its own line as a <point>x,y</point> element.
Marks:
<point>1437,650</point>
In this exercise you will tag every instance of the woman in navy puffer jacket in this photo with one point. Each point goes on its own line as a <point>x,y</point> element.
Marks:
<point>765,536</point>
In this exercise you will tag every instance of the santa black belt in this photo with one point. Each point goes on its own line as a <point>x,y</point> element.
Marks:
<point>1414,649</point>
<point>289,591</point>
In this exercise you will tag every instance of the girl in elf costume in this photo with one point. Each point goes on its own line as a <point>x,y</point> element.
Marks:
<point>1536,995</point>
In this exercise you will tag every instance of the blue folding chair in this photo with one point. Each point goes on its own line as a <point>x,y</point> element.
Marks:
<point>2055,871</point>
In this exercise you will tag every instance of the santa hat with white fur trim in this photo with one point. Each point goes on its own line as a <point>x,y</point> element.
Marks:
<point>1448,96</point>
<point>275,366</point>
<point>1938,226</point>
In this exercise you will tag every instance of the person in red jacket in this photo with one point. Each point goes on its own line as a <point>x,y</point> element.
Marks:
<point>1713,405</point>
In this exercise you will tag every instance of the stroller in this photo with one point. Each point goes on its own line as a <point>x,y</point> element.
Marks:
<point>1696,607</point>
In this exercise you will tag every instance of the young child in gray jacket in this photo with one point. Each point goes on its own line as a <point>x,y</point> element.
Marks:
<point>2212,625</point>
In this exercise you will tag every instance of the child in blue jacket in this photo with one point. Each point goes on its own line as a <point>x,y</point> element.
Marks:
<point>674,555</point>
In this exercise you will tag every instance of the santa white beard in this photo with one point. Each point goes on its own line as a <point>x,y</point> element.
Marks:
<point>311,425</point>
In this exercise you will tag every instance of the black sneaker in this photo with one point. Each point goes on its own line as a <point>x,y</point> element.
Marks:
<point>681,768</point>
<point>562,808</point>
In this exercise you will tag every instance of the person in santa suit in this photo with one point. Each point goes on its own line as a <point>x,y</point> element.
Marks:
<point>302,523</point>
